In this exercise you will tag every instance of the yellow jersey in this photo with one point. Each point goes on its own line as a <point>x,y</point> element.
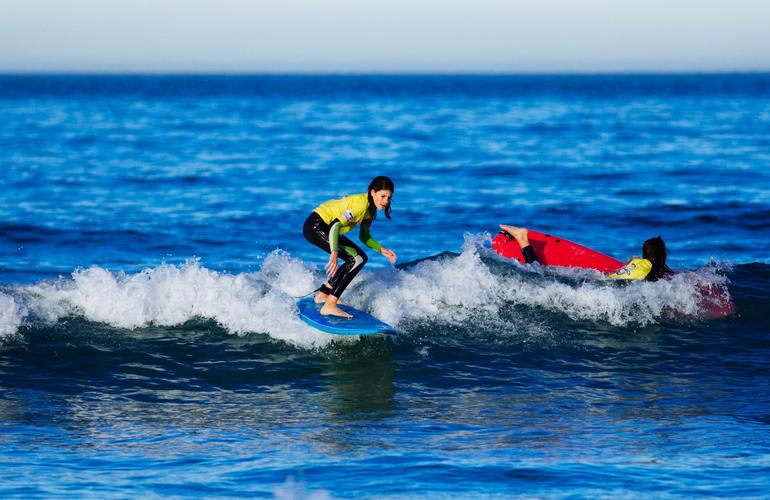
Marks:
<point>349,210</point>
<point>635,269</point>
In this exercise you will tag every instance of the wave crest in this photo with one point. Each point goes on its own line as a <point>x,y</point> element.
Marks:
<point>475,292</point>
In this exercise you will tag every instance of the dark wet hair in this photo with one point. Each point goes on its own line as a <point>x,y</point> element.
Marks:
<point>378,184</point>
<point>654,250</point>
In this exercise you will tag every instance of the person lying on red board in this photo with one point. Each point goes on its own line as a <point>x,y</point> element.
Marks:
<point>651,267</point>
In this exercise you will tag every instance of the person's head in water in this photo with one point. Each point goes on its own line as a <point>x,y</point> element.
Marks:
<point>654,250</point>
<point>380,194</point>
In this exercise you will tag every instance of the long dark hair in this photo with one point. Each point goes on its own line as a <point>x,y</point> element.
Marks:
<point>654,250</point>
<point>378,184</point>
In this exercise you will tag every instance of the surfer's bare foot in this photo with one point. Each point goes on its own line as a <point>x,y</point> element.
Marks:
<point>519,233</point>
<point>321,298</point>
<point>334,310</point>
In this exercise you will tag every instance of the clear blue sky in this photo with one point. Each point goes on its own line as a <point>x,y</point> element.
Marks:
<point>383,36</point>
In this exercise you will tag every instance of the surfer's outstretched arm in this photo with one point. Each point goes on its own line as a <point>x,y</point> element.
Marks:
<point>366,238</point>
<point>520,235</point>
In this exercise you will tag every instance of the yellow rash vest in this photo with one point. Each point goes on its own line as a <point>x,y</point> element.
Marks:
<point>635,269</point>
<point>344,214</point>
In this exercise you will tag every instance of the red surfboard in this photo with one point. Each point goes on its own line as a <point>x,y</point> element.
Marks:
<point>555,251</point>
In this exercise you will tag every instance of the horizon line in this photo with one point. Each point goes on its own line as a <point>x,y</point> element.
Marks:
<point>637,72</point>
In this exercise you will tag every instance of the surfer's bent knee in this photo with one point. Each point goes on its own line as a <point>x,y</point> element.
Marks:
<point>359,260</point>
<point>356,257</point>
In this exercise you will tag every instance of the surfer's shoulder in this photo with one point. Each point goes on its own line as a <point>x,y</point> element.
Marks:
<point>635,269</point>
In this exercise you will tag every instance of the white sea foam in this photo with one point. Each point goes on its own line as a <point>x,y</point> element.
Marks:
<point>464,288</point>
<point>11,315</point>
<point>171,295</point>
<point>292,489</point>
<point>474,291</point>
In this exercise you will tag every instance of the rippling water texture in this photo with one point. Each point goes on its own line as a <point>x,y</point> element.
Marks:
<point>151,250</point>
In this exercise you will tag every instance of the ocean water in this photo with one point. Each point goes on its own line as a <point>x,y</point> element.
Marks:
<point>151,253</point>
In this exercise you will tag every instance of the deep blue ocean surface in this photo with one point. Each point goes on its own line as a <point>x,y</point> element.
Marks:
<point>151,252</point>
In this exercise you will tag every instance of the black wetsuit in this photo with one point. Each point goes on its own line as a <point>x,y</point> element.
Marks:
<point>526,252</point>
<point>529,254</point>
<point>316,231</point>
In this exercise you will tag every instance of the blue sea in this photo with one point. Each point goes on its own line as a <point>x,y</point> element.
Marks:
<point>151,254</point>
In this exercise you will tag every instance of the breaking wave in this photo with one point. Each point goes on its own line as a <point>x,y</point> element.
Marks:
<point>475,292</point>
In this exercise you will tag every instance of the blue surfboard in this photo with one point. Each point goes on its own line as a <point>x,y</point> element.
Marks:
<point>361,323</point>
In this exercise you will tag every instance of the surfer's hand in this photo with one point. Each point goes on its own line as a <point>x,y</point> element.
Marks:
<point>331,266</point>
<point>389,254</point>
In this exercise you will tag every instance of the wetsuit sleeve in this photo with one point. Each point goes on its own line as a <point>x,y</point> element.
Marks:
<point>366,238</point>
<point>334,236</point>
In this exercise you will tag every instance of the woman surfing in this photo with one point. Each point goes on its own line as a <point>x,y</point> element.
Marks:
<point>326,226</point>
